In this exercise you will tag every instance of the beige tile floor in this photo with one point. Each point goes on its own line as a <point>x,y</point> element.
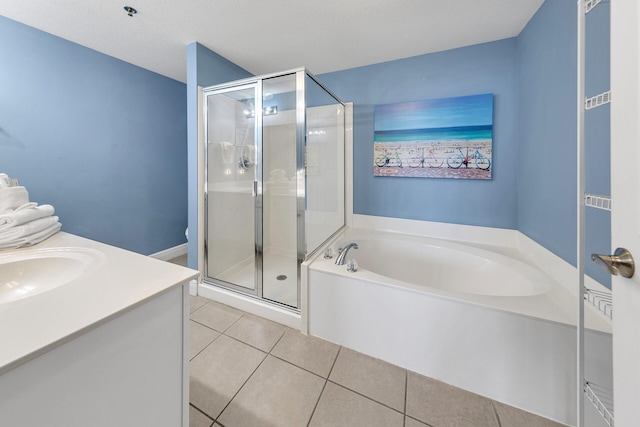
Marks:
<point>248,371</point>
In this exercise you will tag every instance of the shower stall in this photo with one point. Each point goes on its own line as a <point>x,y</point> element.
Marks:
<point>273,182</point>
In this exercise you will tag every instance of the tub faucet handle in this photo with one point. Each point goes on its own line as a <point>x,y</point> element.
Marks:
<point>328,253</point>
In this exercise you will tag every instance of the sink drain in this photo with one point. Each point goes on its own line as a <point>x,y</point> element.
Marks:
<point>281,277</point>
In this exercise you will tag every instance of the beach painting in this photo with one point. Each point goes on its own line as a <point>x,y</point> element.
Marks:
<point>435,138</point>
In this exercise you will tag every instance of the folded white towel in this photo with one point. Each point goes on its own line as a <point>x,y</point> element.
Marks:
<point>26,229</point>
<point>26,206</point>
<point>34,238</point>
<point>4,180</point>
<point>24,214</point>
<point>13,197</point>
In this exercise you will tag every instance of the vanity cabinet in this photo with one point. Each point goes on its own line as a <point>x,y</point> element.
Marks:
<point>107,349</point>
<point>129,371</point>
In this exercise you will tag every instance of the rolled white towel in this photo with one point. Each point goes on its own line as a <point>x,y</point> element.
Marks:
<point>13,197</point>
<point>34,238</point>
<point>26,229</point>
<point>24,214</point>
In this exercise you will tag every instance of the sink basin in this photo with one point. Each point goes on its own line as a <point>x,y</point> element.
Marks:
<point>32,272</point>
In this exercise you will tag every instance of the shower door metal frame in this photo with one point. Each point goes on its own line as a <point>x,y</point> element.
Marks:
<point>301,140</point>
<point>256,85</point>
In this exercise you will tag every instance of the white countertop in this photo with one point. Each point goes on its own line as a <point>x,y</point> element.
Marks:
<point>120,281</point>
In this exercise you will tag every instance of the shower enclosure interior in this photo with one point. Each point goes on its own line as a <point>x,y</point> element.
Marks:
<point>274,181</point>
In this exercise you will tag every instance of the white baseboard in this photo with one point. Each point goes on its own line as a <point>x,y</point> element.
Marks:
<point>171,253</point>
<point>250,305</point>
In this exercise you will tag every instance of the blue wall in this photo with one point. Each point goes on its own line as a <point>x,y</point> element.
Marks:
<point>547,130</point>
<point>204,68</point>
<point>101,140</point>
<point>484,68</point>
<point>533,78</point>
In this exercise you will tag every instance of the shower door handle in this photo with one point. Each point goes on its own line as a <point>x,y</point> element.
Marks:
<point>621,262</point>
<point>257,194</point>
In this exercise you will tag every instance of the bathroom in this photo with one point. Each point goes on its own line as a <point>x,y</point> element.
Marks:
<point>149,177</point>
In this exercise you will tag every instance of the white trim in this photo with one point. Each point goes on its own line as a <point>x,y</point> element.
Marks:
<point>439,230</point>
<point>185,356</point>
<point>193,287</point>
<point>171,253</point>
<point>201,211</point>
<point>251,305</point>
<point>348,163</point>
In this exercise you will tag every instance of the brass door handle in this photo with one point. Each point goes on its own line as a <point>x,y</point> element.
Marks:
<point>621,262</point>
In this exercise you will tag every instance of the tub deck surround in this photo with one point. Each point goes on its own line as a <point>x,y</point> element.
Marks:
<point>560,302</point>
<point>121,281</point>
<point>467,273</point>
<point>513,341</point>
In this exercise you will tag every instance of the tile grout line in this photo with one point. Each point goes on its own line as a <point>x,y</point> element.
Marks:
<point>277,342</point>
<point>215,420</point>
<point>324,386</point>
<point>241,387</point>
<point>268,353</point>
<point>406,392</point>
<point>299,367</point>
<point>354,391</point>
<point>326,380</point>
<point>365,396</point>
<point>495,411</point>
<point>202,412</point>
<point>206,346</point>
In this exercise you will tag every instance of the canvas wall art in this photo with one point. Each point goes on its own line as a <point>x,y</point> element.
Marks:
<point>436,138</point>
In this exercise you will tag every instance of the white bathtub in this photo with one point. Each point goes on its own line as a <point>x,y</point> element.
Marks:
<point>483,318</point>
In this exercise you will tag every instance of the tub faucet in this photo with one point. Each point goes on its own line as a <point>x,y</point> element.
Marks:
<point>343,253</point>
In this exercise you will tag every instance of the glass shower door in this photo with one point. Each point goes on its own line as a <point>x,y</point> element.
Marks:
<point>233,218</point>
<point>280,173</point>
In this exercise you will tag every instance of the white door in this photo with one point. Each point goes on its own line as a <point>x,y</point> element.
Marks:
<point>625,222</point>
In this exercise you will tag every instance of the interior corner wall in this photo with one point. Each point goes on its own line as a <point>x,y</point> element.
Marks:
<point>547,92</point>
<point>101,140</point>
<point>204,68</point>
<point>483,68</point>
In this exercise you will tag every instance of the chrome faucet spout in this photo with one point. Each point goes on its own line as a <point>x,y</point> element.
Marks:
<point>343,253</point>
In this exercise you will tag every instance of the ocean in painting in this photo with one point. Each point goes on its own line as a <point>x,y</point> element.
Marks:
<point>460,133</point>
<point>435,138</point>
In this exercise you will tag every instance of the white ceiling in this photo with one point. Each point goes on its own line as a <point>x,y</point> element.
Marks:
<point>265,36</point>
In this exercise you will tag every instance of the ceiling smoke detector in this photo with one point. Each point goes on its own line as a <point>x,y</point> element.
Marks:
<point>130,11</point>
